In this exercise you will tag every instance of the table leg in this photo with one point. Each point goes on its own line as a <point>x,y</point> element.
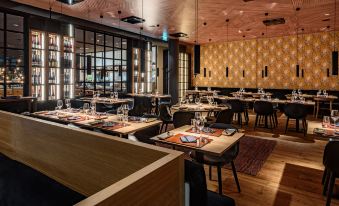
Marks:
<point>297,125</point>
<point>199,157</point>
<point>330,106</point>
<point>156,106</point>
<point>316,114</point>
<point>314,107</point>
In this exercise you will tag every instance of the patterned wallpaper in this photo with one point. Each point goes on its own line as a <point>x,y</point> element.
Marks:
<point>279,54</point>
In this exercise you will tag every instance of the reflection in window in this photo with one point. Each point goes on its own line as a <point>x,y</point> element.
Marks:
<point>11,55</point>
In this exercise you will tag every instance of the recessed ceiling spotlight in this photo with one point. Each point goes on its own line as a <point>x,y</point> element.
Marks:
<point>241,12</point>
<point>16,25</point>
<point>239,31</point>
<point>327,14</point>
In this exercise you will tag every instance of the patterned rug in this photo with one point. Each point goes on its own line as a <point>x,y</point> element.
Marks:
<point>253,152</point>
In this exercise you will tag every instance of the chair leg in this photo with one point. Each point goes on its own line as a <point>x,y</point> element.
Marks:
<point>271,122</point>
<point>166,127</point>
<point>276,118</point>
<point>219,180</point>
<point>327,178</point>
<point>304,126</point>
<point>330,190</point>
<point>235,176</point>
<point>324,176</point>
<point>256,121</point>
<point>162,125</point>
<point>286,124</point>
<point>210,172</point>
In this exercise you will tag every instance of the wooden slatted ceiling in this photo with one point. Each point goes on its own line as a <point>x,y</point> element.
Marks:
<point>179,16</point>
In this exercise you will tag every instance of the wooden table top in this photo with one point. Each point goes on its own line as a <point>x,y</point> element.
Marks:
<point>201,91</point>
<point>19,99</point>
<point>159,96</point>
<point>104,100</point>
<point>329,132</point>
<point>252,93</point>
<point>132,126</point>
<point>217,147</point>
<point>277,101</point>
<point>198,108</point>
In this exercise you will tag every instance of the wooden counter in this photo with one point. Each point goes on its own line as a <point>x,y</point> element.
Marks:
<point>106,169</point>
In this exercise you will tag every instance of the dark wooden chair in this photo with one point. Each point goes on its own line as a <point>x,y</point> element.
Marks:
<point>264,111</point>
<point>298,112</point>
<point>181,118</point>
<point>199,195</point>
<point>165,116</point>
<point>227,158</point>
<point>331,154</point>
<point>238,109</point>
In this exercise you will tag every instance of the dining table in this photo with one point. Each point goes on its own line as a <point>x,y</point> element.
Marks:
<point>317,129</point>
<point>321,98</point>
<point>108,123</point>
<point>206,143</point>
<point>201,92</point>
<point>105,100</point>
<point>201,107</point>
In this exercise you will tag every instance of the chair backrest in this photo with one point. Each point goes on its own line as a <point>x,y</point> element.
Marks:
<point>195,176</point>
<point>181,118</point>
<point>263,107</point>
<point>236,105</point>
<point>163,112</point>
<point>145,135</point>
<point>225,116</point>
<point>295,110</point>
<point>331,154</point>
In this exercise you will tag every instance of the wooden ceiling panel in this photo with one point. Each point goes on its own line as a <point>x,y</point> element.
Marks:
<point>246,18</point>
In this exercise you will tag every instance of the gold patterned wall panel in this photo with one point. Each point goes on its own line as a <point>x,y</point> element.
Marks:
<point>279,54</point>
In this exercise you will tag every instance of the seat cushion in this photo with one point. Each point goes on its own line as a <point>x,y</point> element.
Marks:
<point>22,185</point>
<point>214,160</point>
<point>214,199</point>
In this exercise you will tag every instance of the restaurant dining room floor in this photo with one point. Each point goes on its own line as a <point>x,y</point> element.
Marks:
<point>290,176</point>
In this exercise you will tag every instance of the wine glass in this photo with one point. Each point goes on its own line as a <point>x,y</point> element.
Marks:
<point>190,97</point>
<point>334,117</point>
<point>326,121</point>
<point>86,107</point>
<point>60,104</point>
<point>325,93</point>
<point>197,100</point>
<point>200,124</point>
<point>193,122</point>
<point>197,115</point>
<point>112,95</point>
<point>68,104</point>
<point>120,113</point>
<point>93,107</point>
<point>116,95</point>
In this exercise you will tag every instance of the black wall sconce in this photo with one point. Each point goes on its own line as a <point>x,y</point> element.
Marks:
<point>302,73</point>
<point>226,71</point>
<point>297,70</point>
<point>210,73</point>
<point>205,72</point>
<point>243,73</point>
<point>262,73</point>
<point>266,71</point>
<point>335,63</point>
<point>328,72</point>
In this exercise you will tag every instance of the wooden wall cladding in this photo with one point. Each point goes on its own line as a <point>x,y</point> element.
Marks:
<point>108,170</point>
<point>279,54</point>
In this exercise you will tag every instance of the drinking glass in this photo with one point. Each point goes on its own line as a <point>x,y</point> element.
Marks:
<point>60,104</point>
<point>193,122</point>
<point>68,104</point>
<point>86,109</point>
<point>197,115</point>
<point>325,93</point>
<point>112,95</point>
<point>200,124</point>
<point>116,95</point>
<point>197,100</point>
<point>120,113</point>
<point>318,93</point>
<point>190,97</point>
<point>334,117</point>
<point>93,107</point>
<point>326,121</point>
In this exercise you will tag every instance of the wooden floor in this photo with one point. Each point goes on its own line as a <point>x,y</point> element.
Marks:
<point>291,175</point>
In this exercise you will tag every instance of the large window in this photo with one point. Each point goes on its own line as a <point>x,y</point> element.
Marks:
<point>184,62</point>
<point>101,61</point>
<point>11,55</point>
